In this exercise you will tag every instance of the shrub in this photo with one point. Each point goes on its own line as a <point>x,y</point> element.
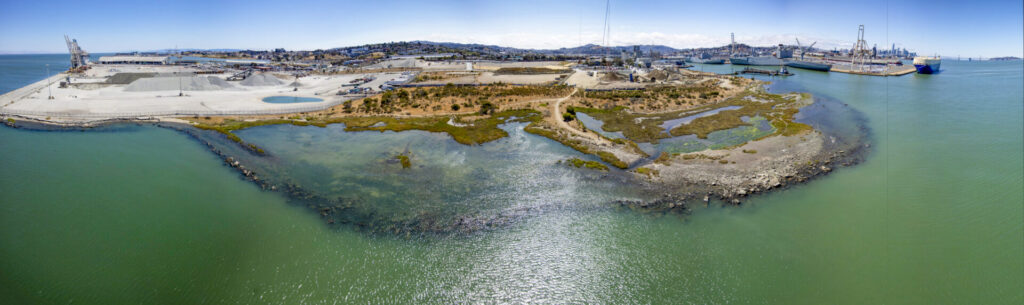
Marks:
<point>486,108</point>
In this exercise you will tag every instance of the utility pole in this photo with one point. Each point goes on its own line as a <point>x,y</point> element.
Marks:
<point>180,93</point>
<point>48,83</point>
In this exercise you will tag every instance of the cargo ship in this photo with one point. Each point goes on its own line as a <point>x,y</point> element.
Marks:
<point>927,65</point>
<point>755,61</point>
<point>740,61</point>
<point>708,61</point>
<point>809,65</point>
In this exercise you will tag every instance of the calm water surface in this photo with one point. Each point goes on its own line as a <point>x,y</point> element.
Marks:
<point>290,99</point>
<point>136,214</point>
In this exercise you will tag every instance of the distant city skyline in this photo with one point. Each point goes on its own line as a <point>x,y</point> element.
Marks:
<point>948,28</point>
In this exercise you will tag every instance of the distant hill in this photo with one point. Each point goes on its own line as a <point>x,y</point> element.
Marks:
<point>169,51</point>
<point>1005,58</point>
<point>590,49</point>
<point>594,49</point>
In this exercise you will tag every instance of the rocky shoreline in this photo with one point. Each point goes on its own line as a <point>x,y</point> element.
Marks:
<point>732,190</point>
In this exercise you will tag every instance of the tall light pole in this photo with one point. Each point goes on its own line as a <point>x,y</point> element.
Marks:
<point>180,93</point>
<point>48,90</point>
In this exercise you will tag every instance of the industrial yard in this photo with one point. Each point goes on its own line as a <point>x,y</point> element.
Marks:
<point>162,85</point>
<point>127,91</point>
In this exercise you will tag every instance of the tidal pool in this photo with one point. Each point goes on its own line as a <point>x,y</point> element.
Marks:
<point>447,185</point>
<point>596,125</point>
<point>673,123</point>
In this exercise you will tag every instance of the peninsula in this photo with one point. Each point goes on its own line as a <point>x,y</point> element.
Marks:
<point>691,135</point>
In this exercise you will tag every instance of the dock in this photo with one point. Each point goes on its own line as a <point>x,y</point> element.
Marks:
<point>749,70</point>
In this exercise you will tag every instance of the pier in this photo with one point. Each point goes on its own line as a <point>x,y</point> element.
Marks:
<point>749,70</point>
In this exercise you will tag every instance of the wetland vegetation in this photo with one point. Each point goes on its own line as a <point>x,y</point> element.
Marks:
<point>580,163</point>
<point>647,127</point>
<point>476,112</point>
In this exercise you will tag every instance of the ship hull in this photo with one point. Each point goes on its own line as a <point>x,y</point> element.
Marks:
<point>927,65</point>
<point>927,69</point>
<point>809,66</point>
<point>740,61</point>
<point>764,61</point>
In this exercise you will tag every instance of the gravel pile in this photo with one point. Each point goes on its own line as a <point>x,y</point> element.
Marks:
<point>612,77</point>
<point>193,83</point>
<point>124,78</point>
<point>262,79</point>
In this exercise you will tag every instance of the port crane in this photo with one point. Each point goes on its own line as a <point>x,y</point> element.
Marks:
<point>79,58</point>
<point>804,50</point>
<point>860,51</point>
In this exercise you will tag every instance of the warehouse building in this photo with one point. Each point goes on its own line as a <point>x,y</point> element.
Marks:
<point>134,59</point>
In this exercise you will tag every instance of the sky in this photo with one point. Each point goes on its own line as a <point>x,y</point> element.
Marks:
<point>986,28</point>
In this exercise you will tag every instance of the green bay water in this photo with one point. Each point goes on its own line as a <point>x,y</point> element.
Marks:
<point>140,214</point>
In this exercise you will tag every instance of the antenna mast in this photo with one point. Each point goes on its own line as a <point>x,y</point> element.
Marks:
<point>606,36</point>
<point>732,44</point>
<point>606,39</point>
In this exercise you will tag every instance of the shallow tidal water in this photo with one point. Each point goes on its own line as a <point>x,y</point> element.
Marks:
<point>141,214</point>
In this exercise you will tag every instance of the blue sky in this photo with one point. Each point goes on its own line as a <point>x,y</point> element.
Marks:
<point>950,28</point>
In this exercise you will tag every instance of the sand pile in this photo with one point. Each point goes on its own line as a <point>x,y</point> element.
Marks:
<point>657,75</point>
<point>262,79</point>
<point>612,77</point>
<point>193,83</point>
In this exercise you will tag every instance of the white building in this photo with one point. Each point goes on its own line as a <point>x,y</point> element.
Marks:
<point>134,59</point>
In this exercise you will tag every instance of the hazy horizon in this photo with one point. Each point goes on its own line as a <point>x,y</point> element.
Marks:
<point>987,29</point>
<point>965,57</point>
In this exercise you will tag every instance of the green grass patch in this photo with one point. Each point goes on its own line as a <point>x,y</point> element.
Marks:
<point>663,158</point>
<point>577,145</point>
<point>777,109</point>
<point>402,158</point>
<point>611,159</point>
<point>580,163</point>
<point>639,127</point>
<point>649,172</point>
<point>477,132</point>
